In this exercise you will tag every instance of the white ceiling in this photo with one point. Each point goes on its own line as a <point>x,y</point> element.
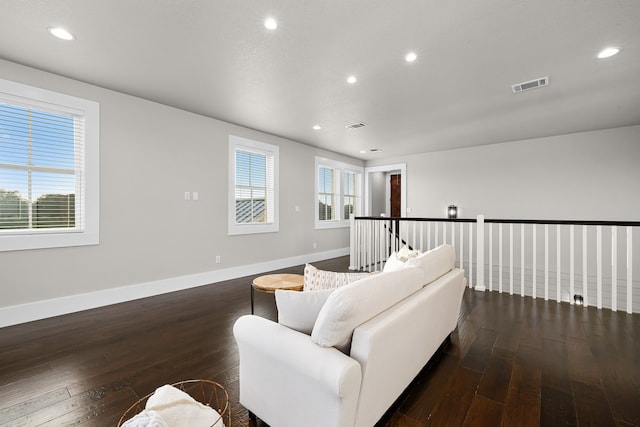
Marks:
<point>214,57</point>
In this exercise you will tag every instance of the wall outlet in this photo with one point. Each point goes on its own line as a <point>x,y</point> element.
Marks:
<point>314,245</point>
<point>218,259</point>
<point>187,195</point>
<point>195,196</point>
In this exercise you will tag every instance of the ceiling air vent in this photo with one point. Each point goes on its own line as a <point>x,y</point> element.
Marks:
<point>355,125</point>
<point>532,84</point>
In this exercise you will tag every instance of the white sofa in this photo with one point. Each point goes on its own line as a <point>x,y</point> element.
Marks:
<point>389,325</point>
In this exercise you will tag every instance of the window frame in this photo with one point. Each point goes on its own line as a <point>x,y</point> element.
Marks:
<point>88,231</point>
<point>341,169</point>
<point>245,144</point>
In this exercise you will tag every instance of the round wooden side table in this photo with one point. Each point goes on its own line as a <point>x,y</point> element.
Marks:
<point>271,282</point>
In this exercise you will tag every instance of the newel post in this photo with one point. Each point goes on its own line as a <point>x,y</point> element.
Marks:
<point>480,254</point>
<point>352,242</point>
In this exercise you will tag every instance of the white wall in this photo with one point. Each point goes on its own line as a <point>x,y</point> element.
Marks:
<point>589,176</point>
<point>150,154</point>
<point>378,188</point>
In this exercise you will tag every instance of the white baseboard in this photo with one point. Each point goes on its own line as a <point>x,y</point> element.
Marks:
<point>37,310</point>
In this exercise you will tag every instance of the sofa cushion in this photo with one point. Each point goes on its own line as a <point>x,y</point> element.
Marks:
<point>393,263</point>
<point>352,305</point>
<point>299,310</point>
<point>315,279</point>
<point>435,263</point>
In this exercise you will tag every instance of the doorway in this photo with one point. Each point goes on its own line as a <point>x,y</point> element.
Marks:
<point>379,193</point>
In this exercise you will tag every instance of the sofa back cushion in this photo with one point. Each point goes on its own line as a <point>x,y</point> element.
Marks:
<point>434,263</point>
<point>351,305</point>
<point>315,279</point>
<point>299,310</point>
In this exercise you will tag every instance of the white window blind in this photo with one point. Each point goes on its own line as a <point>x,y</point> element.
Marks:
<point>326,194</point>
<point>350,194</point>
<point>253,186</point>
<point>43,169</point>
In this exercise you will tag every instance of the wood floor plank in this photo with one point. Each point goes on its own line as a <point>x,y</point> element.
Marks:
<point>557,408</point>
<point>452,408</point>
<point>483,412</point>
<point>582,365</point>
<point>522,405</point>
<point>592,408</point>
<point>555,373</point>
<point>497,376</point>
<point>478,355</point>
<point>422,400</point>
<point>27,407</point>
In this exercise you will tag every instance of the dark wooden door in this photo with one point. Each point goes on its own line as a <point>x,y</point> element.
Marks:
<point>395,201</point>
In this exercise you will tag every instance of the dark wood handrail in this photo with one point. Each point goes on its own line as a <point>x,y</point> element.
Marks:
<point>508,221</point>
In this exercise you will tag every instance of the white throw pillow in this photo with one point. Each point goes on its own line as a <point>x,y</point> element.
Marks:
<point>393,263</point>
<point>299,310</point>
<point>405,254</point>
<point>352,305</point>
<point>315,279</point>
<point>435,263</point>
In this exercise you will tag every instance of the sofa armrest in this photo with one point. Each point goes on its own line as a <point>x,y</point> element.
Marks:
<point>288,380</point>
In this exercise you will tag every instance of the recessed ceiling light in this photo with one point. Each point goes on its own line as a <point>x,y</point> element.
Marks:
<point>317,127</point>
<point>351,79</point>
<point>410,57</point>
<point>375,150</point>
<point>61,33</point>
<point>363,151</point>
<point>608,52</point>
<point>270,24</point>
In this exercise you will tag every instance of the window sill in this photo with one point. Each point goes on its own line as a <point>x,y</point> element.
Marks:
<point>320,225</point>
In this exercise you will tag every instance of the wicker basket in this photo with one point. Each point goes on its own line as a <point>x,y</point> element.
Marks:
<point>206,392</point>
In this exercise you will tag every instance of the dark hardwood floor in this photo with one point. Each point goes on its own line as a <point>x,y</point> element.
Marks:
<point>512,361</point>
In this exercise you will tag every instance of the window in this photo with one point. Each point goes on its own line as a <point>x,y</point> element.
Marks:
<point>326,193</point>
<point>338,193</point>
<point>48,169</point>
<point>253,186</point>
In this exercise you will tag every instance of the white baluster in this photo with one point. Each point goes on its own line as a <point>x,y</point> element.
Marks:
<point>480,253</point>
<point>358,245</point>
<point>461,246</point>
<point>414,243</point>
<point>546,262</point>
<point>558,264</point>
<point>490,257</point>
<point>534,272</point>
<point>572,258</point>
<point>500,257</point>
<point>368,246</point>
<point>585,290</point>
<point>614,268</point>
<point>510,259</point>
<point>629,270</point>
<point>599,266</point>
<point>453,234</point>
<point>522,260</point>
<point>471,255</point>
